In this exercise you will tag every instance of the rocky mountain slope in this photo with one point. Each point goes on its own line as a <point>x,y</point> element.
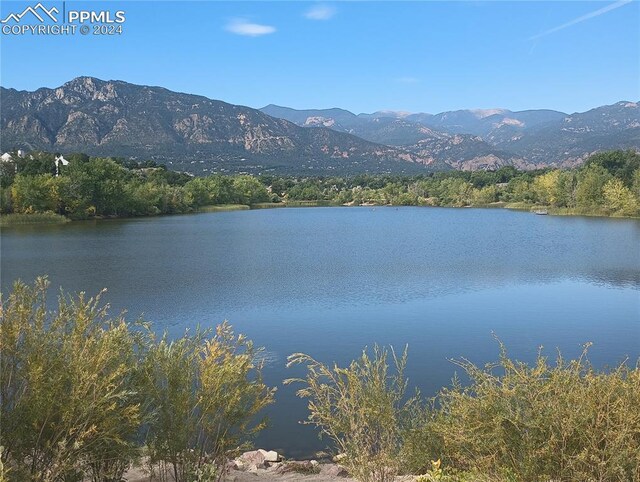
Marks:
<point>201,135</point>
<point>570,140</point>
<point>441,148</point>
<point>186,131</point>
<point>491,138</point>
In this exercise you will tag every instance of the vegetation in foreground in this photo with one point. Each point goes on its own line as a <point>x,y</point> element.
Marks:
<point>512,422</point>
<point>82,393</point>
<point>363,409</point>
<point>608,184</point>
<point>85,395</point>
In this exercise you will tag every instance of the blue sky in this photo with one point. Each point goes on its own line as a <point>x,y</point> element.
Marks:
<point>362,56</point>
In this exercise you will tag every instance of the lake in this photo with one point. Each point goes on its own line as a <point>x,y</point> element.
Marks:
<point>330,281</point>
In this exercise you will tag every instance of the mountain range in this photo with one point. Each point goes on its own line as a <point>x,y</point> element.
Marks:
<point>188,132</point>
<point>489,138</point>
<point>201,135</point>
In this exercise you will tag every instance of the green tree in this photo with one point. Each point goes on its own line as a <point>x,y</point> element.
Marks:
<point>519,190</point>
<point>37,193</point>
<point>620,164</point>
<point>635,185</point>
<point>35,163</point>
<point>455,192</point>
<point>545,188</point>
<point>486,195</point>
<point>619,198</point>
<point>248,190</point>
<point>565,189</point>
<point>199,191</point>
<point>305,191</point>
<point>75,197</point>
<point>102,183</point>
<point>591,181</point>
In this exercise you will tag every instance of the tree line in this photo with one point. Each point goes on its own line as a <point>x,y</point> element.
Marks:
<point>100,187</point>
<point>608,183</point>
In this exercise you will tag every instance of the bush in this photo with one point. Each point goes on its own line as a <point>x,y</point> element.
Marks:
<point>79,390</point>
<point>204,396</point>
<point>67,400</point>
<point>363,409</point>
<point>562,422</point>
<point>80,393</point>
<point>512,422</point>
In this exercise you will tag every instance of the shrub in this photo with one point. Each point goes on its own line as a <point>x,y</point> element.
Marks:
<point>67,401</point>
<point>79,390</point>
<point>204,397</point>
<point>561,422</point>
<point>362,409</point>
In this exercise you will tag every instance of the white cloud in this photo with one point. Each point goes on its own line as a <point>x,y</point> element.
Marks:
<point>241,26</point>
<point>582,18</point>
<point>320,12</point>
<point>407,80</point>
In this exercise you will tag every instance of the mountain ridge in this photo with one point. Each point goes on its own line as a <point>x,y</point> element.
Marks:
<point>187,131</point>
<point>201,135</point>
<point>491,138</point>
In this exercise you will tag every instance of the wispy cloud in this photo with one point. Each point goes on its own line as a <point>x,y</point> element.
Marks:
<point>596,13</point>
<point>407,80</point>
<point>320,12</point>
<point>240,26</point>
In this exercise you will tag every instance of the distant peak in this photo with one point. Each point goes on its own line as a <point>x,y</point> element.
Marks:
<point>393,113</point>
<point>85,79</point>
<point>85,83</point>
<point>482,113</point>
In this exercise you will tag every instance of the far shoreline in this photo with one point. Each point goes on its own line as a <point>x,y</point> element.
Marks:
<point>49,218</point>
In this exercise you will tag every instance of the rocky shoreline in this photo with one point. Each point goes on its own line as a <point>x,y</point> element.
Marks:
<point>262,465</point>
<point>269,465</point>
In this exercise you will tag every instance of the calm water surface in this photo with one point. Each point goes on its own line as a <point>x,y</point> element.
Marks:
<point>328,281</point>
